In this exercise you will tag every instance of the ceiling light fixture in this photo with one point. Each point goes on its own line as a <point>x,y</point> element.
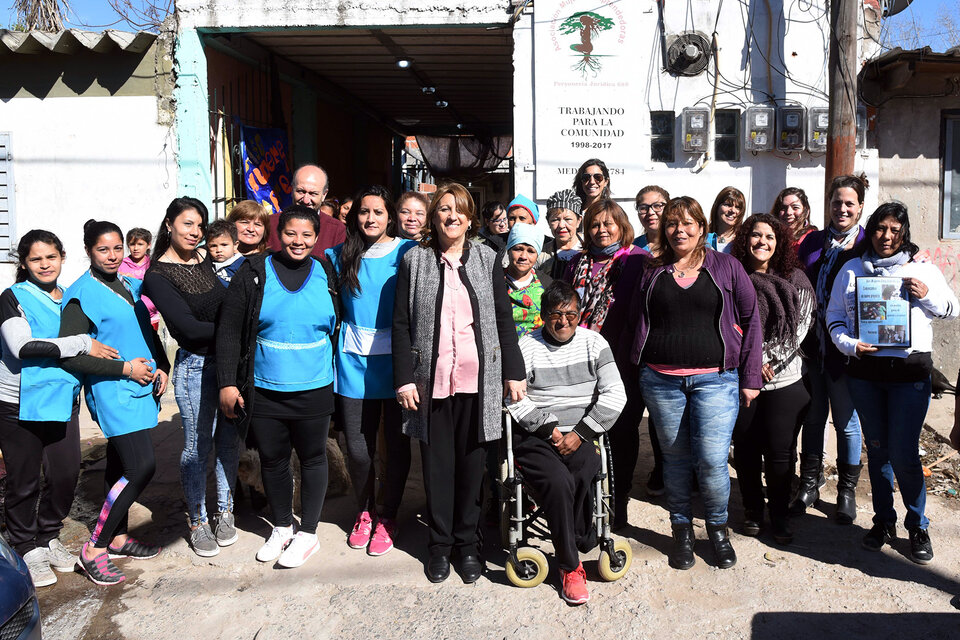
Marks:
<point>443,104</point>
<point>428,90</point>
<point>404,63</point>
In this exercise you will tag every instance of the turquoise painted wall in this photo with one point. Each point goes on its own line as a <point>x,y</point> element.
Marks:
<point>192,118</point>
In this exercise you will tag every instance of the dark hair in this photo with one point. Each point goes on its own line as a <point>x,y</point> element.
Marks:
<point>298,212</point>
<point>615,211</point>
<point>897,211</point>
<point>557,294</point>
<point>727,193</point>
<point>222,227</point>
<point>354,245</point>
<point>578,178</point>
<point>784,259</point>
<point>677,209</point>
<point>465,205</point>
<point>139,233</point>
<point>858,183</point>
<point>333,203</point>
<point>93,229</point>
<point>490,207</point>
<point>801,195</point>
<point>176,207</point>
<point>26,243</point>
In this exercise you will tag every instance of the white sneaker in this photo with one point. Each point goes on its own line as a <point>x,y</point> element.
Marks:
<point>300,548</point>
<point>59,558</point>
<point>39,567</point>
<point>274,545</point>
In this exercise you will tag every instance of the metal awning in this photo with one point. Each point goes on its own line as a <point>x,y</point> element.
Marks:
<point>456,75</point>
<point>74,40</point>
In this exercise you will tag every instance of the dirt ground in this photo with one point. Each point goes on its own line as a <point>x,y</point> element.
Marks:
<point>822,584</point>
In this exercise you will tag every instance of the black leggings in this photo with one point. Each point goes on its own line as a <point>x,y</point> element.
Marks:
<point>35,511</point>
<point>277,438</point>
<point>130,466</point>
<point>766,435</point>
<point>360,420</point>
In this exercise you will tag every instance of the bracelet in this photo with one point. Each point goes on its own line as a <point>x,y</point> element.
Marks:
<point>129,375</point>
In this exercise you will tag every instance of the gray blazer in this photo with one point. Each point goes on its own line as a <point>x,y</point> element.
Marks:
<point>415,335</point>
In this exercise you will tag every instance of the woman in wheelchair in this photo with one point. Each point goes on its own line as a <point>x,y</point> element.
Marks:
<point>574,394</point>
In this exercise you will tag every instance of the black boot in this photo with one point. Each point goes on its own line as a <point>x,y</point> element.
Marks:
<point>722,549</point>
<point>811,479</point>
<point>681,555</point>
<point>847,492</point>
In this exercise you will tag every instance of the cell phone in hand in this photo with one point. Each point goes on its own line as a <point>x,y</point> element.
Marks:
<point>239,411</point>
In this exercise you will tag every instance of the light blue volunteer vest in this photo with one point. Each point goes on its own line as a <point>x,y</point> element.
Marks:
<point>119,405</point>
<point>47,391</point>
<point>364,358</point>
<point>293,335</point>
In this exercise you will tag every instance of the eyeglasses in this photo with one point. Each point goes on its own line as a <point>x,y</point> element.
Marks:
<point>570,316</point>
<point>656,206</point>
<point>499,222</point>
<point>598,177</point>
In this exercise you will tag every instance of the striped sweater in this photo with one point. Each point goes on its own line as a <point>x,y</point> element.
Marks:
<point>573,386</point>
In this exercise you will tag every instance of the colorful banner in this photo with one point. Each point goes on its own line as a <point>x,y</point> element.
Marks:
<point>590,99</point>
<point>266,171</point>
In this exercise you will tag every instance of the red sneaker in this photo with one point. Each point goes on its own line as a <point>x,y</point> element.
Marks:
<point>574,589</point>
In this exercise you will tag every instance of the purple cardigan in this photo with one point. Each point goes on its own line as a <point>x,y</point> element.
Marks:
<point>740,327</point>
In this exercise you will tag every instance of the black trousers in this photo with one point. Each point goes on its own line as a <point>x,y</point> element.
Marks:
<point>35,510</point>
<point>277,438</point>
<point>453,463</point>
<point>625,446</point>
<point>360,421</point>
<point>563,486</point>
<point>130,467</point>
<point>765,436</point>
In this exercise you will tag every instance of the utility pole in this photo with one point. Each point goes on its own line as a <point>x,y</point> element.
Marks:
<point>842,135</point>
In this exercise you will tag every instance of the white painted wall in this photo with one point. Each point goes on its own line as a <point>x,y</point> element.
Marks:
<point>198,14</point>
<point>78,158</point>
<point>801,42</point>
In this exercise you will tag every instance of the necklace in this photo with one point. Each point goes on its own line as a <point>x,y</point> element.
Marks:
<point>682,273</point>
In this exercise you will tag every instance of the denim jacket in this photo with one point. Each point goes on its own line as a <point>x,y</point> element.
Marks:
<point>740,327</point>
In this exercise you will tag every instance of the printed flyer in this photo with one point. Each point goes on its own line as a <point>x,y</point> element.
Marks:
<point>883,312</point>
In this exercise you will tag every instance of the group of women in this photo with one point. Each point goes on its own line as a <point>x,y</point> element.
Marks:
<point>730,330</point>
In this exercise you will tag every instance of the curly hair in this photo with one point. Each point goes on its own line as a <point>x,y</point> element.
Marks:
<point>784,259</point>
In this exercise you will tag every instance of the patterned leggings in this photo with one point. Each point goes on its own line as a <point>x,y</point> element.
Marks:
<point>130,466</point>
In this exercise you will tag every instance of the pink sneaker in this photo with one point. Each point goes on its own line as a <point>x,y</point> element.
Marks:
<point>360,536</point>
<point>382,540</point>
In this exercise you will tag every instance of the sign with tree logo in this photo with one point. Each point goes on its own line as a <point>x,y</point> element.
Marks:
<point>589,94</point>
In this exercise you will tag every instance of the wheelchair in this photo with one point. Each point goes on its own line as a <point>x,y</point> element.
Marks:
<point>527,566</point>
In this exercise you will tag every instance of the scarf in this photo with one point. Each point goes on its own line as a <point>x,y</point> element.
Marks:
<point>779,306</point>
<point>526,305</point>
<point>838,240</point>
<point>874,265</point>
<point>605,252</point>
<point>596,291</point>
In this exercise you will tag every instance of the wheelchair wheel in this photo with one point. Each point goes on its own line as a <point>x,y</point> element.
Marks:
<point>624,556</point>
<point>532,570</point>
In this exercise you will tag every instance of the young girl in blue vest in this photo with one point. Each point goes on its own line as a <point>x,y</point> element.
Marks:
<point>39,428</point>
<point>275,370</point>
<point>366,265</point>
<point>122,395</point>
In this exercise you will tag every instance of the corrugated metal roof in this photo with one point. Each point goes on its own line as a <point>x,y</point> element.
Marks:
<point>74,40</point>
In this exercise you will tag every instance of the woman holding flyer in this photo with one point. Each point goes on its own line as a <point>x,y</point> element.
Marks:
<point>889,365</point>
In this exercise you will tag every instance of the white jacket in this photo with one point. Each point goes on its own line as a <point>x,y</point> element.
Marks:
<point>940,302</point>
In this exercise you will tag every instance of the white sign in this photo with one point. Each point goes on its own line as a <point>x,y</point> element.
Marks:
<point>588,92</point>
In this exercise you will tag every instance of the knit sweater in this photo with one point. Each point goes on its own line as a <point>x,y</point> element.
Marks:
<point>573,386</point>
<point>416,334</point>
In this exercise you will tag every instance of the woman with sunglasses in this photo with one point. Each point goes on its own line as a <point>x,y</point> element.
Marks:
<point>649,203</point>
<point>592,182</point>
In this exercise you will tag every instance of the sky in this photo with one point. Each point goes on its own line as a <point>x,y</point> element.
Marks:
<point>97,14</point>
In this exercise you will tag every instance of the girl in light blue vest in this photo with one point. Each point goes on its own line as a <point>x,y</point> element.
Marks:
<point>366,265</point>
<point>39,428</point>
<point>122,395</point>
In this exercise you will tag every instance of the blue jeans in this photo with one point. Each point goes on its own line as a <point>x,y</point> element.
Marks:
<point>198,397</point>
<point>827,394</point>
<point>893,414</point>
<point>694,417</point>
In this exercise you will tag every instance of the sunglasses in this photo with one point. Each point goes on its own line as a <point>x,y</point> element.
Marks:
<point>587,177</point>
<point>570,316</point>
